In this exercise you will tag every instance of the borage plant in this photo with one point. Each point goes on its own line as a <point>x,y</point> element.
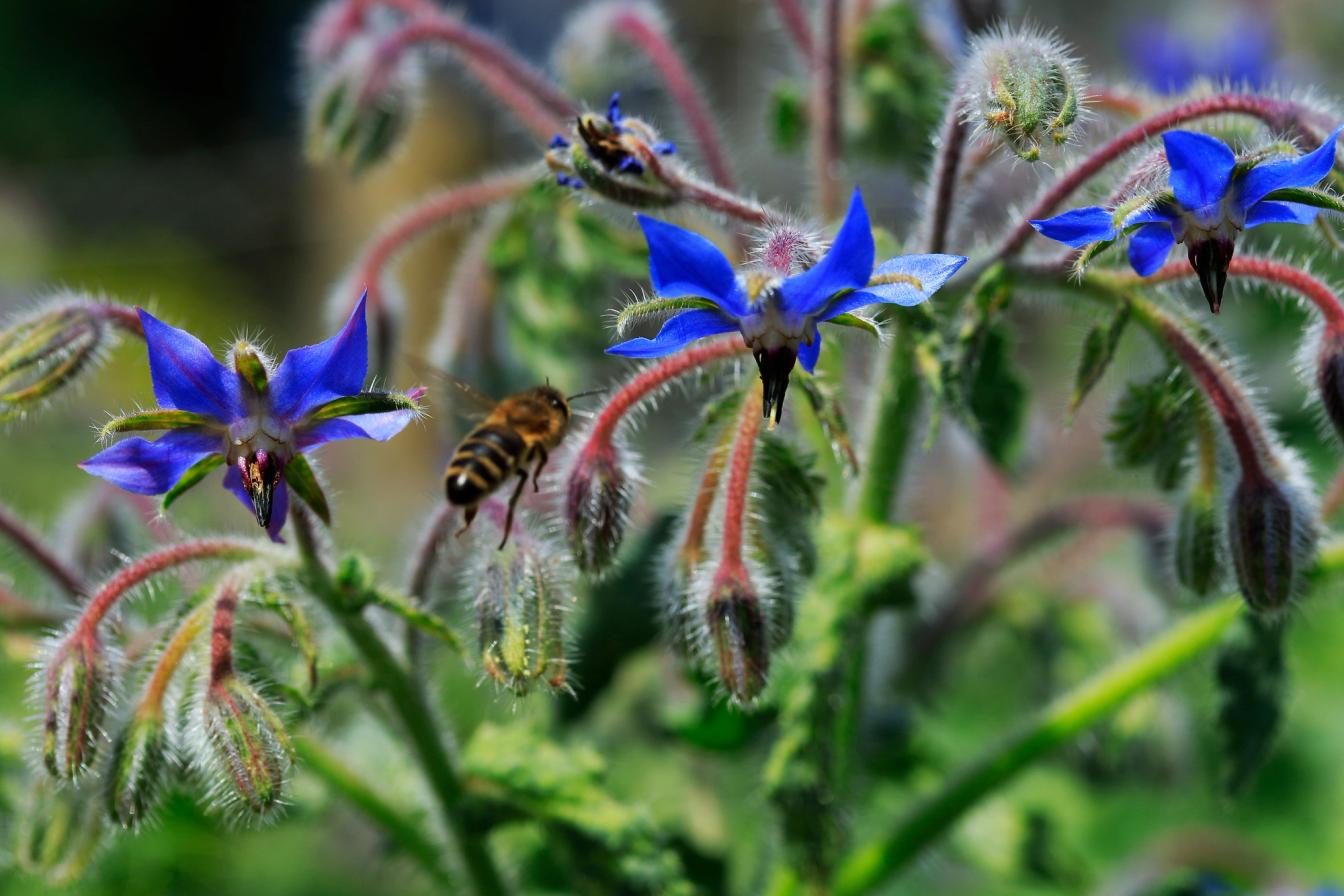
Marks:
<point>809,655</point>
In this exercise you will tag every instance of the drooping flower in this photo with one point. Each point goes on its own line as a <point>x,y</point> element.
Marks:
<point>776,310</point>
<point>257,418</point>
<point>1212,197</point>
<point>610,154</point>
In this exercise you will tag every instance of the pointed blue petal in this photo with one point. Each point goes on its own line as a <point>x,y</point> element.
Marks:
<point>676,332</point>
<point>152,468</point>
<point>846,265</point>
<point>1201,168</point>
<point>1280,213</point>
<point>315,374</point>
<point>379,427</point>
<point>186,376</point>
<point>1149,247</point>
<point>807,354</point>
<point>1078,227</point>
<point>682,263</point>
<point>233,481</point>
<point>1304,171</point>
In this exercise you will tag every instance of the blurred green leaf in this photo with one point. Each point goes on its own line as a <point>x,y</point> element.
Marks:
<point>1252,680</point>
<point>1153,424</point>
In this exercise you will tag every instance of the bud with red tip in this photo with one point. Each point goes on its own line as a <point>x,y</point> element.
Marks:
<point>738,634</point>
<point>138,769</point>
<point>597,501</point>
<point>246,748</point>
<point>1330,376</point>
<point>77,686</point>
<point>1272,536</point>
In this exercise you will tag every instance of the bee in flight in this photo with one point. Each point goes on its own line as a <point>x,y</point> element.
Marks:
<point>517,436</point>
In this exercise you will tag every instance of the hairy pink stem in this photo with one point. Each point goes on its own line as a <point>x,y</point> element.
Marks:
<point>1280,115</point>
<point>221,634</point>
<point>37,550</point>
<point>495,64</point>
<point>1270,271</point>
<point>794,17</point>
<point>661,373</point>
<point>426,215</point>
<point>826,109</point>
<point>706,195</point>
<point>152,564</point>
<point>739,483</point>
<point>636,27</point>
<point>942,189</point>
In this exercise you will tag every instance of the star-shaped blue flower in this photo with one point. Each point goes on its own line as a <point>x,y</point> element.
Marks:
<point>778,317</point>
<point>257,419</point>
<point>1212,197</point>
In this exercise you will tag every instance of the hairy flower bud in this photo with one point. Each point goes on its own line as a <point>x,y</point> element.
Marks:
<point>358,100</point>
<point>1271,535</point>
<point>1198,565</point>
<point>1022,87</point>
<point>246,746</point>
<point>618,157</point>
<point>522,596</point>
<point>138,768</point>
<point>1330,376</point>
<point>47,349</point>
<point>738,634</point>
<point>597,502</point>
<point>76,688</point>
<point>58,833</point>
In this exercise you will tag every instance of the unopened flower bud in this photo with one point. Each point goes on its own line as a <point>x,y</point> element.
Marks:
<point>247,747</point>
<point>523,594</point>
<point>738,634</point>
<point>59,833</point>
<point>77,687</point>
<point>47,349</point>
<point>1271,535</point>
<point>359,100</point>
<point>1023,88</point>
<point>597,503</point>
<point>617,156</point>
<point>1330,377</point>
<point>137,770</point>
<point>1198,565</point>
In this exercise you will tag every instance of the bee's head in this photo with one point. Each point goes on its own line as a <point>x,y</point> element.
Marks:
<point>554,399</point>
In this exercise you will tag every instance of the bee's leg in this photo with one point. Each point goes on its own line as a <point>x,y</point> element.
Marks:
<point>468,515</point>
<point>513,502</point>
<point>536,471</point>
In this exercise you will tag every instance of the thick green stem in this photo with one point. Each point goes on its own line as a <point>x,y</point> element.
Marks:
<point>434,752</point>
<point>364,797</point>
<point>894,422</point>
<point>1060,722</point>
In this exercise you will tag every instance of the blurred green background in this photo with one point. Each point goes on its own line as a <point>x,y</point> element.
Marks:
<point>151,151</point>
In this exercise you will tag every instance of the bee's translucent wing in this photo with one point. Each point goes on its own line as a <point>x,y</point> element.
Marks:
<point>462,397</point>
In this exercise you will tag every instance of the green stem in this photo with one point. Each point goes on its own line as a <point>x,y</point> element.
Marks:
<point>435,753</point>
<point>1060,722</point>
<point>895,420</point>
<point>403,830</point>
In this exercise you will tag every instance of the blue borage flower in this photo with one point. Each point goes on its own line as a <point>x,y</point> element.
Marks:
<point>778,316</point>
<point>614,142</point>
<point>1212,197</point>
<point>1241,52</point>
<point>258,419</point>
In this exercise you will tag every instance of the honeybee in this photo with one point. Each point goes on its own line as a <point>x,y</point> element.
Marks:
<point>516,436</point>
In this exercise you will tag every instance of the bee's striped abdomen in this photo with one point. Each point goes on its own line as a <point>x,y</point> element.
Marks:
<point>482,462</point>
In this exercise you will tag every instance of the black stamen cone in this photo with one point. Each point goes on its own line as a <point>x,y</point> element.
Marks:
<point>775,365</point>
<point>1210,259</point>
<point>261,474</point>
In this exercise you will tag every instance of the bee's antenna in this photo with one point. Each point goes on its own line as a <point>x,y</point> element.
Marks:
<point>586,394</point>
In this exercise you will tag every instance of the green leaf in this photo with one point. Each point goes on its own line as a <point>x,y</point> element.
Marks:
<point>1308,196</point>
<point>996,395</point>
<point>195,473</point>
<point>1098,349</point>
<point>830,413</point>
<point>363,403</point>
<point>786,500</point>
<point>155,420</point>
<point>859,323</point>
<point>1252,680</point>
<point>303,482</point>
<point>1153,424</point>
<point>788,116</point>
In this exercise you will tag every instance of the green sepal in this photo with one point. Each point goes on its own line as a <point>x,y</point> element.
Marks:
<point>251,368</point>
<point>830,414</point>
<point>155,420</point>
<point>301,479</point>
<point>195,473</point>
<point>1098,349</point>
<point>363,403</point>
<point>859,323</point>
<point>1308,196</point>
<point>637,311</point>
